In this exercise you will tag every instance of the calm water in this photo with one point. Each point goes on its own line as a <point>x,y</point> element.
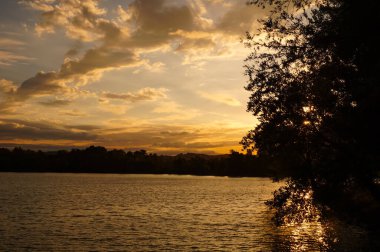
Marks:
<point>82,212</point>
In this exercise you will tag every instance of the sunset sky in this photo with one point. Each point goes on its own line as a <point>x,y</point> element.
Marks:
<point>165,76</point>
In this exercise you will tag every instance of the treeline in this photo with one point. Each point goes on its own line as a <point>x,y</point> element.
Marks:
<point>97,159</point>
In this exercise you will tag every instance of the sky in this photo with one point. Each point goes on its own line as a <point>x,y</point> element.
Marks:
<point>166,76</point>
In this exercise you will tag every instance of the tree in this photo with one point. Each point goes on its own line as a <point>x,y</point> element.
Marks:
<point>313,77</point>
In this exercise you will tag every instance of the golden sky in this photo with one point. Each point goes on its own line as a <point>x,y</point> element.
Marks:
<point>162,75</point>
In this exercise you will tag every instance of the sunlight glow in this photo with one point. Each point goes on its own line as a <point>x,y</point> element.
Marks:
<point>306,122</point>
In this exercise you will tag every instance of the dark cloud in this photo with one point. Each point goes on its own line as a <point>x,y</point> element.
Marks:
<point>96,59</point>
<point>55,103</point>
<point>189,146</point>
<point>175,133</point>
<point>82,127</point>
<point>74,112</point>
<point>158,139</point>
<point>175,152</point>
<point>20,129</point>
<point>41,83</point>
<point>172,139</point>
<point>156,20</point>
<point>42,147</point>
<point>240,18</point>
<point>93,62</point>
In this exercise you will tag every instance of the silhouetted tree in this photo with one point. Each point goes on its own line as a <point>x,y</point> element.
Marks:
<point>313,77</point>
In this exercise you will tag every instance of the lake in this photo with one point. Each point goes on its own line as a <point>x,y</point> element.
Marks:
<point>99,212</point>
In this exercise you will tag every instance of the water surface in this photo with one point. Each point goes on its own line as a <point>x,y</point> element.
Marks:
<point>97,212</point>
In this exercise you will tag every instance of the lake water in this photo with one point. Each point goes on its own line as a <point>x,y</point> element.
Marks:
<point>97,212</point>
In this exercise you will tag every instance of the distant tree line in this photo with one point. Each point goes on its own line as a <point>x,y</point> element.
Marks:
<point>97,159</point>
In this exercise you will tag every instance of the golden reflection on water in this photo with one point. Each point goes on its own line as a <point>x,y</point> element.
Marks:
<point>305,231</point>
<point>319,234</point>
<point>302,233</point>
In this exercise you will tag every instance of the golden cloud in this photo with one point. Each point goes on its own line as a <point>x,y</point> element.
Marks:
<point>220,98</point>
<point>145,94</point>
<point>142,26</point>
<point>8,58</point>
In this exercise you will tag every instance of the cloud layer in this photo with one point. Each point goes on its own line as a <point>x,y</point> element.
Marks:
<point>154,138</point>
<point>144,26</point>
<point>140,61</point>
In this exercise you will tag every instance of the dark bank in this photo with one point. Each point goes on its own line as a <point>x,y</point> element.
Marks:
<point>97,159</point>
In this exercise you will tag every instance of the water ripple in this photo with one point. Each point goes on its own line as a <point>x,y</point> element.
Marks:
<point>79,212</point>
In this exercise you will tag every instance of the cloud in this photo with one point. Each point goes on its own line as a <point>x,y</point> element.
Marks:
<point>190,146</point>
<point>7,58</point>
<point>76,72</point>
<point>153,21</point>
<point>20,129</point>
<point>53,146</point>
<point>7,87</point>
<point>41,83</point>
<point>175,141</point>
<point>82,127</point>
<point>8,42</point>
<point>145,94</point>
<point>143,26</point>
<point>198,44</point>
<point>157,138</point>
<point>172,111</point>
<point>145,35</point>
<point>42,5</point>
<point>74,113</point>
<point>239,19</point>
<point>168,107</point>
<point>78,17</point>
<point>160,138</point>
<point>82,20</point>
<point>55,102</point>
<point>220,98</point>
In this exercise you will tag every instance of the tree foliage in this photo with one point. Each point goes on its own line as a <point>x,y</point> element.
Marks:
<point>313,77</point>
